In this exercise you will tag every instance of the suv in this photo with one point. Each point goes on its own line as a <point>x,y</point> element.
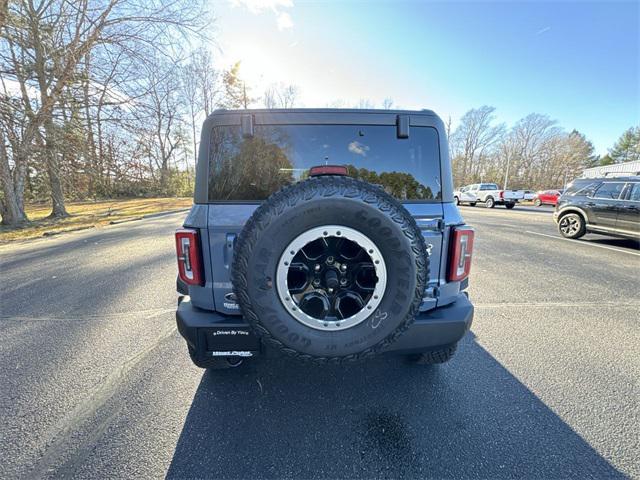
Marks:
<point>327,235</point>
<point>609,206</point>
<point>489,194</point>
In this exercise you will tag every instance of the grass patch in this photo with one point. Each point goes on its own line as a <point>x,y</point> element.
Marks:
<point>88,215</point>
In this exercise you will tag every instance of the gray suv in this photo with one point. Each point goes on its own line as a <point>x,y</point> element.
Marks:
<point>325,235</point>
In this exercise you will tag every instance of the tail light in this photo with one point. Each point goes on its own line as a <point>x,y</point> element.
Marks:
<point>328,170</point>
<point>460,251</point>
<point>501,194</point>
<point>189,257</point>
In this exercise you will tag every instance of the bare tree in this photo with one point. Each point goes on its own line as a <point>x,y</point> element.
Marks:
<point>364,104</point>
<point>531,136</point>
<point>279,95</point>
<point>45,44</point>
<point>473,142</point>
<point>162,112</point>
<point>12,212</point>
<point>201,90</point>
<point>536,154</point>
<point>12,122</point>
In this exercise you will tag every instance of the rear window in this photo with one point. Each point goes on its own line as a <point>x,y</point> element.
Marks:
<point>251,169</point>
<point>581,187</point>
<point>609,190</point>
<point>489,186</point>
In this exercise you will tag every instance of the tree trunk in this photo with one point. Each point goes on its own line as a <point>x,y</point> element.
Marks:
<point>11,207</point>
<point>104,190</point>
<point>58,209</point>
<point>20,176</point>
<point>164,175</point>
<point>91,144</point>
<point>195,139</point>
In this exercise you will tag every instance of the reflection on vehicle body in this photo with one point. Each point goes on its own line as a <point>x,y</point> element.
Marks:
<point>246,167</point>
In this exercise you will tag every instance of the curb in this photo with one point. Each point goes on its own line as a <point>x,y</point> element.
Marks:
<point>58,232</point>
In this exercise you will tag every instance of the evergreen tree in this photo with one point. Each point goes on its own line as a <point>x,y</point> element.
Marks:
<point>606,160</point>
<point>627,148</point>
<point>236,93</point>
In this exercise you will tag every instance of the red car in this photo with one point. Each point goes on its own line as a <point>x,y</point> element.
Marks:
<point>547,197</point>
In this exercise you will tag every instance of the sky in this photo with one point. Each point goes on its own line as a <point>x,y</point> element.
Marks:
<point>577,62</point>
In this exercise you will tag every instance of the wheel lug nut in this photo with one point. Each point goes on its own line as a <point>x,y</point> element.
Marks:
<point>316,282</point>
<point>343,267</point>
<point>317,267</point>
<point>330,290</point>
<point>343,281</point>
<point>329,260</point>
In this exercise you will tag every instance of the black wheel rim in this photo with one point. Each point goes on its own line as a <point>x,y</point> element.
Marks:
<point>331,281</point>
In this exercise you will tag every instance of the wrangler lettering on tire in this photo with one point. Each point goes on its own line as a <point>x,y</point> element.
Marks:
<point>348,265</point>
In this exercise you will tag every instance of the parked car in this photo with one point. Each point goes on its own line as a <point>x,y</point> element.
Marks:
<point>547,197</point>
<point>289,248</point>
<point>528,195</point>
<point>487,193</point>
<point>607,206</point>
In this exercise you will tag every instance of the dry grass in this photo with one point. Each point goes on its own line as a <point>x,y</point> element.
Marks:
<point>89,214</point>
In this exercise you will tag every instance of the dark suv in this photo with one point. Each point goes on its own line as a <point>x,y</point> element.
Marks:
<point>326,235</point>
<point>608,206</point>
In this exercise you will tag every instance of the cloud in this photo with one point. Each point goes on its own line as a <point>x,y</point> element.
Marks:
<point>358,148</point>
<point>284,21</point>
<point>257,7</point>
<point>543,30</point>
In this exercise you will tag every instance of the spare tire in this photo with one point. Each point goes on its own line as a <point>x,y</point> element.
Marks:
<point>330,269</point>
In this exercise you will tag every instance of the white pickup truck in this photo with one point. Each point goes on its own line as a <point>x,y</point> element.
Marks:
<point>487,193</point>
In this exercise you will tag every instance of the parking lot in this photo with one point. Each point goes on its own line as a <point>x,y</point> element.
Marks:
<point>96,382</point>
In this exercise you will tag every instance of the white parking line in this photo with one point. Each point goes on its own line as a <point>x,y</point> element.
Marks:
<point>585,243</point>
<point>618,304</point>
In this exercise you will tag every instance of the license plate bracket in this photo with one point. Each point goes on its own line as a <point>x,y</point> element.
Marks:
<point>231,341</point>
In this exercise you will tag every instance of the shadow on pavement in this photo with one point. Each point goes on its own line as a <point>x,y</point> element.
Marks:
<point>613,242</point>
<point>469,418</point>
<point>533,208</point>
<point>30,251</point>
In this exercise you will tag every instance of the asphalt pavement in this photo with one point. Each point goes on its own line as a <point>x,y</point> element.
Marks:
<point>96,382</point>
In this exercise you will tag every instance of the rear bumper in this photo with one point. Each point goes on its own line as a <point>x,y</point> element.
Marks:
<point>213,334</point>
<point>436,328</point>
